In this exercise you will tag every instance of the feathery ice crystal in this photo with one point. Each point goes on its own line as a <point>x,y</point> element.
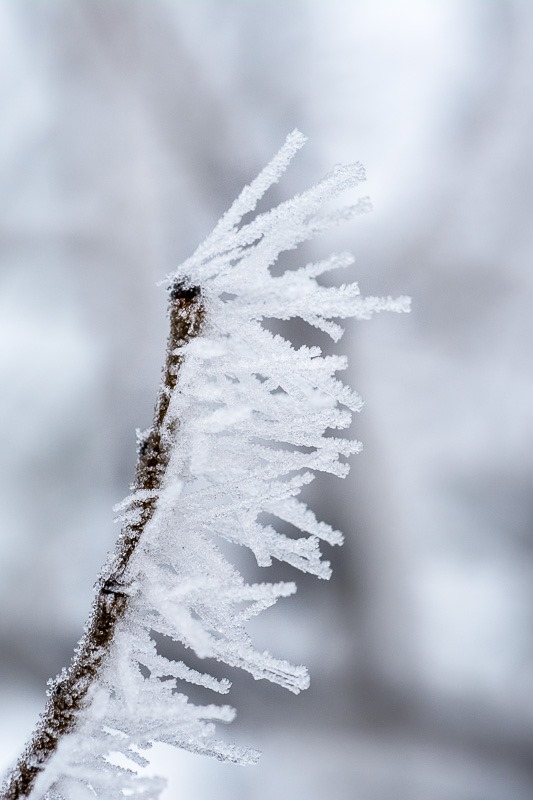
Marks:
<point>248,421</point>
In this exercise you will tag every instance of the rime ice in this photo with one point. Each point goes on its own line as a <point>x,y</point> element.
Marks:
<point>247,422</point>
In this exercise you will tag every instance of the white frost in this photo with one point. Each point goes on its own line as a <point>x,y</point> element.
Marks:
<point>255,417</point>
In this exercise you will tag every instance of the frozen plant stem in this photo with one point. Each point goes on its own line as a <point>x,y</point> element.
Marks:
<point>245,426</point>
<point>68,693</point>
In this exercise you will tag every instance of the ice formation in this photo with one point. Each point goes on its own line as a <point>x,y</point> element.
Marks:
<point>251,420</point>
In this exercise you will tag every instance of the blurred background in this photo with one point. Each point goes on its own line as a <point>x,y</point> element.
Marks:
<point>127,127</point>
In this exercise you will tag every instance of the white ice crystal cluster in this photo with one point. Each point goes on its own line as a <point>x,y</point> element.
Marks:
<point>253,420</point>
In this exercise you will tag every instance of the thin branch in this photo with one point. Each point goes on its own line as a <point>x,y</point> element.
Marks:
<point>67,694</point>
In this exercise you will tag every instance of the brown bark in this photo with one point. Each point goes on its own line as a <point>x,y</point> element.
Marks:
<point>68,693</point>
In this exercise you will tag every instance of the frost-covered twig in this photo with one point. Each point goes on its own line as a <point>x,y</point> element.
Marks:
<point>68,693</point>
<point>237,434</point>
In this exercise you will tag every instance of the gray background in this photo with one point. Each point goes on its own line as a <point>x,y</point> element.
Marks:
<point>126,128</point>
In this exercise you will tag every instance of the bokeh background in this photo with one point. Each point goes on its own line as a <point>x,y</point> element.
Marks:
<point>127,127</point>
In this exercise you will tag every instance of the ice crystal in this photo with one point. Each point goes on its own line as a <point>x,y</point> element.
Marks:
<point>251,421</point>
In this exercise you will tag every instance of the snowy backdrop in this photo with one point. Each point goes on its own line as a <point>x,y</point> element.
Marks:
<point>127,128</point>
